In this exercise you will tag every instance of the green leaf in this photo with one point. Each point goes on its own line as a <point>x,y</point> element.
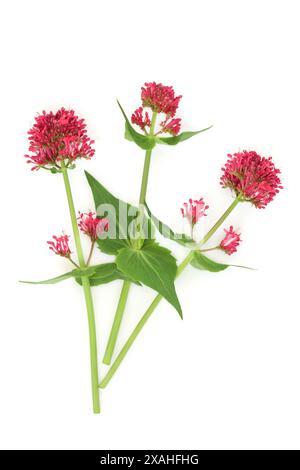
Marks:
<point>167,232</point>
<point>120,239</point>
<point>122,219</point>
<point>144,141</point>
<point>73,273</point>
<point>153,266</point>
<point>98,274</point>
<point>201,261</point>
<point>180,138</point>
<point>105,273</point>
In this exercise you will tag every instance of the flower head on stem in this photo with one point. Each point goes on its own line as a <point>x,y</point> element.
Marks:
<point>60,245</point>
<point>58,136</point>
<point>171,126</point>
<point>140,119</point>
<point>194,210</point>
<point>160,99</point>
<point>231,241</point>
<point>251,176</point>
<point>92,225</point>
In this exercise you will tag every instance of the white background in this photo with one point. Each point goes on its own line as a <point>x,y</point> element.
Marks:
<point>228,375</point>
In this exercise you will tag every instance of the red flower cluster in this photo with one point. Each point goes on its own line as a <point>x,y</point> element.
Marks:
<point>92,225</point>
<point>60,246</point>
<point>172,126</point>
<point>253,177</point>
<point>140,120</point>
<point>194,210</point>
<point>160,99</point>
<point>231,241</point>
<point>58,136</point>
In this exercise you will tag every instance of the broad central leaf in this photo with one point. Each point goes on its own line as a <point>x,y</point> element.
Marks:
<point>153,266</point>
<point>122,218</point>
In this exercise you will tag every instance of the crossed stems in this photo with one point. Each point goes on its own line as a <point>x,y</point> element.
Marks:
<point>158,298</point>
<point>126,285</point>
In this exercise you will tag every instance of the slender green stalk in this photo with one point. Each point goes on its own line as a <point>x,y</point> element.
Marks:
<point>126,285</point>
<point>90,253</point>
<point>87,294</point>
<point>147,162</point>
<point>158,298</point>
<point>211,249</point>
<point>130,340</point>
<point>220,221</point>
<point>117,323</point>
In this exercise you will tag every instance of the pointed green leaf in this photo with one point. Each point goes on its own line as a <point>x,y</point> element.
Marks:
<point>153,266</point>
<point>62,277</point>
<point>105,273</point>
<point>180,138</point>
<point>144,141</point>
<point>120,239</point>
<point>167,232</point>
<point>98,274</point>
<point>200,261</point>
<point>122,218</point>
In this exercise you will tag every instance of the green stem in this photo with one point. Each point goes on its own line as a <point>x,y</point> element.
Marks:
<point>147,162</point>
<point>211,249</point>
<point>87,293</point>
<point>126,285</point>
<point>158,298</point>
<point>117,323</point>
<point>90,253</point>
<point>74,264</point>
<point>129,342</point>
<point>220,221</point>
<point>139,327</point>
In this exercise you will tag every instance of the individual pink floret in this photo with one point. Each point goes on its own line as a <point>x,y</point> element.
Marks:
<point>194,210</point>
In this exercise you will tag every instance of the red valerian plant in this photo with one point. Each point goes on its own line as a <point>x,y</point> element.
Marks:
<point>58,139</point>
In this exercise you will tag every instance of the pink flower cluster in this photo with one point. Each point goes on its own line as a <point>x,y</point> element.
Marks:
<point>92,225</point>
<point>194,210</point>
<point>58,136</point>
<point>89,224</point>
<point>231,241</point>
<point>139,119</point>
<point>253,177</point>
<point>60,245</point>
<point>160,99</point>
